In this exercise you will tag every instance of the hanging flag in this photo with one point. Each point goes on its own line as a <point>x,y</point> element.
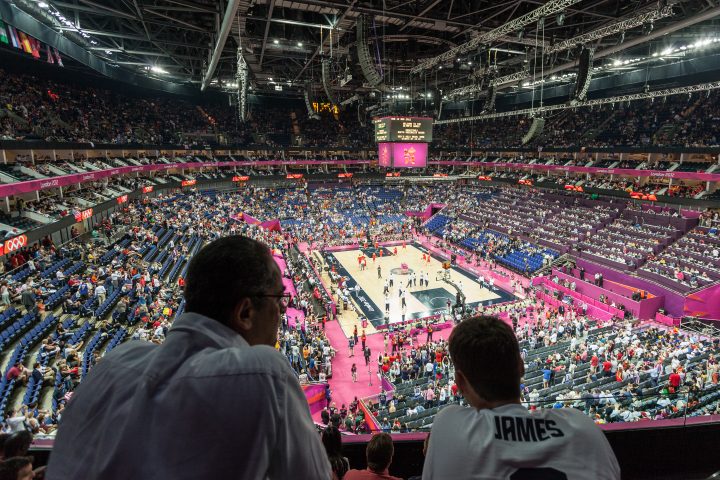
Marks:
<point>14,37</point>
<point>25,42</point>
<point>58,57</point>
<point>3,34</point>
<point>50,58</point>
<point>35,45</point>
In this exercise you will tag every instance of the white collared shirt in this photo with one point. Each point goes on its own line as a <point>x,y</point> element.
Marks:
<point>204,404</point>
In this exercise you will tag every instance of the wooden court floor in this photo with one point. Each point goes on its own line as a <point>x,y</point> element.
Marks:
<point>421,301</point>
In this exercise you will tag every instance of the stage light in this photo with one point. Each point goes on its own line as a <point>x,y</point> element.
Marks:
<point>156,69</point>
<point>43,5</point>
<point>300,44</point>
<point>276,42</point>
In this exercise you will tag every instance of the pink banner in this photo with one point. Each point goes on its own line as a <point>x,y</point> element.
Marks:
<point>272,225</point>
<point>62,181</point>
<point>251,220</point>
<point>708,177</point>
<point>315,394</point>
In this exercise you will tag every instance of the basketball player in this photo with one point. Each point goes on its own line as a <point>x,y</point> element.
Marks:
<point>496,437</point>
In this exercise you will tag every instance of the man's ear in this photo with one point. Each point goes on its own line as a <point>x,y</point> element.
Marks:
<point>242,316</point>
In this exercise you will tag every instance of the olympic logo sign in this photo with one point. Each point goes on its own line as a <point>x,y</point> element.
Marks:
<point>147,189</point>
<point>122,199</point>
<point>188,183</point>
<point>13,244</point>
<point>84,215</point>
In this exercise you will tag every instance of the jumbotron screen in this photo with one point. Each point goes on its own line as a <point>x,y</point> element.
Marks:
<point>402,155</point>
<point>403,129</point>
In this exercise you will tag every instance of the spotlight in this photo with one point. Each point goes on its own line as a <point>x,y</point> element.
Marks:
<point>276,41</point>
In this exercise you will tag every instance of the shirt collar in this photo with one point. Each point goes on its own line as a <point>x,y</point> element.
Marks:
<point>200,325</point>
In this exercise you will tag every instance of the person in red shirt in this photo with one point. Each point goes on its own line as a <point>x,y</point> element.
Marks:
<point>17,371</point>
<point>675,380</point>
<point>379,453</point>
<point>594,361</point>
<point>607,366</point>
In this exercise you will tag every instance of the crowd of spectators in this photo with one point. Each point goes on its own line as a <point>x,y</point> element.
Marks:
<point>614,372</point>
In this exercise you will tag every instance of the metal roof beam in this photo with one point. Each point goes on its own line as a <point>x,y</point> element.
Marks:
<point>551,7</point>
<point>94,10</point>
<point>220,44</point>
<point>108,9</point>
<point>187,25</point>
<point>704,87</point>
<point>194,6</point>
<point>688,22</point>
<point>267,29</point>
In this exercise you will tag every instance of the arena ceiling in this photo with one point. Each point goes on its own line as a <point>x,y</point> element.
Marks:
<point>284,42</point>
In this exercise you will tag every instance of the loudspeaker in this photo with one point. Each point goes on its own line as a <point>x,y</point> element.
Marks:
<point>489,105</point>
<point>308,102</point>
<point>582,82</point>
<point>326,81</point>
<point>365,59</point>
<point>536,129</point>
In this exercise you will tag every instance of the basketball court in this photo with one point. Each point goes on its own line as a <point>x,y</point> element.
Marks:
<point>367,288</point>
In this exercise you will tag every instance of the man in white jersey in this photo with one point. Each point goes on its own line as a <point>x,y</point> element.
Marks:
<point>496,437</point>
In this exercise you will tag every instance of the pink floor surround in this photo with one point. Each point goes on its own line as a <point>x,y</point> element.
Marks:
<point>344,390</point>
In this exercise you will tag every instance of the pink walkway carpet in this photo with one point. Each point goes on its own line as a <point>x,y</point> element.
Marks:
<point>344,390</point>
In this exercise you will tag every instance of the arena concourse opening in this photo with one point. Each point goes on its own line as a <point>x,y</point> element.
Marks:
<point>325,239</point>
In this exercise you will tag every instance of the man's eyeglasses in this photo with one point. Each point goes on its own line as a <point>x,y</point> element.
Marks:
<point>282,298</point>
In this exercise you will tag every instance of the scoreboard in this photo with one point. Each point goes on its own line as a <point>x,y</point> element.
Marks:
<point>403,129</point>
